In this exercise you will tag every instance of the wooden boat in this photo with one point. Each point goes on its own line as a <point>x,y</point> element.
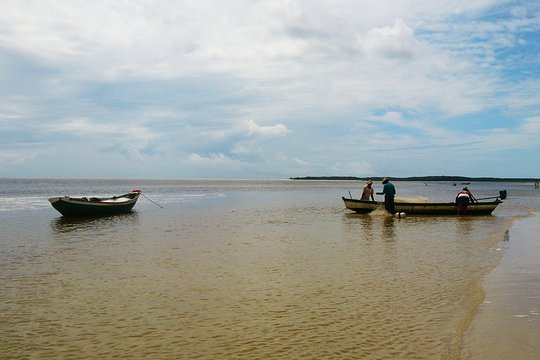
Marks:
<point>427,208</point>
<point>84,206</point>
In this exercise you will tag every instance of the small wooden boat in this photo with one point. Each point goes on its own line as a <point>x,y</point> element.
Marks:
<point>84,206</point>
<point>427,208</point>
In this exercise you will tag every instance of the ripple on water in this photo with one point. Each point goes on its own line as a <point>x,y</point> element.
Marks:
<point>248,283</point>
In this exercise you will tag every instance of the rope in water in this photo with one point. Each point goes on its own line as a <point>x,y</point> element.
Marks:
<point>152,201</point>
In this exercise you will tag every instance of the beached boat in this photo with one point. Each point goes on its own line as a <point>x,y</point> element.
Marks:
<point>69,206</point>
<point>427,208</point>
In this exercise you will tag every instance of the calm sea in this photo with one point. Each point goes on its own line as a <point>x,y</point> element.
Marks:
<point>243,269</point>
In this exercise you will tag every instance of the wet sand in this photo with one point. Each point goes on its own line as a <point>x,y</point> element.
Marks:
<point>507,325</point>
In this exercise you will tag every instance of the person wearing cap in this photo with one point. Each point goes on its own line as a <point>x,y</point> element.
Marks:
<point>389,191</point>
<point>464,198</point>
<point>368,192</point>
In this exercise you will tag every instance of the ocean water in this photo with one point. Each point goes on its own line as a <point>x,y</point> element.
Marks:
<point>243,269</point>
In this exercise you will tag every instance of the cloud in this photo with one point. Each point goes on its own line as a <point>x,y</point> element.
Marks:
<point>16,157</point>
<point>391,117</point>
<point>397,41</point>
<point>219,159</point>
<point>357,168</point>
<point>213,164</point>
<point>266,87</point>
<point>251,128</point>
<point>85,127</point>
<point>524,136</point>
<point>301,162</point>
<point>248,129</point>
<point>130,140</point>
<point>531,125</point>
<point>436,134</point>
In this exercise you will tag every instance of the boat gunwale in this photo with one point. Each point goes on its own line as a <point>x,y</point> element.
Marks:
<point>80,201</point>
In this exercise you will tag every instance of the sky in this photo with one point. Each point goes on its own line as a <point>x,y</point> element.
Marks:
<point>246,89</point>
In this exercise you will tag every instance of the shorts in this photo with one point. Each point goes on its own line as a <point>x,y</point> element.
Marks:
<point>463,200</point>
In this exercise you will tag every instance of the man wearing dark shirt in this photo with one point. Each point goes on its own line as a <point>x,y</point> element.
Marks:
<point>389,191</point>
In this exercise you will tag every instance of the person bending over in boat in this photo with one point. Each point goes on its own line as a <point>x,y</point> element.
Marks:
<point>389,191</point>
<point>464,198</point>
<point>368,192</point>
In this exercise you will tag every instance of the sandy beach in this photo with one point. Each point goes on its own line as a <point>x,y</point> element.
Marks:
<point>507,325</point>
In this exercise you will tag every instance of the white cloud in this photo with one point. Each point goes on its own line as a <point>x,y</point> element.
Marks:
<point>301,162</point>
<point>397,41</point>
<point>86,127</point>
<point>212,164</point>
<point>9,117</point>
<point>251,128</point>
<point>248,129</point>
<point>355,168</point>
<point>531,125</point>
<point>131,141</point>
<point>391,117</point>
<point>212,159</point>
<point>16,157</point>
<point>228,82</point>
<point>304,49</point>
<point>437,134</point>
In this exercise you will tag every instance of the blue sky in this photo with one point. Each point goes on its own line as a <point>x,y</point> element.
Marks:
<point>269,89</point>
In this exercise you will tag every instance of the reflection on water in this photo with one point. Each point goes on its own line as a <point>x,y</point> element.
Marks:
<point>465,225</point>
<point>367,224</point>
<point>389,233</point>
<point>62,225</point>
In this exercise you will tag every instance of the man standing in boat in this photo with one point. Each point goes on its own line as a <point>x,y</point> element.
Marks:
<point>389,192</point>
<point>367,192</point>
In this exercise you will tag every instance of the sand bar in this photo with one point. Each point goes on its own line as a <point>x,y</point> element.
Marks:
<point>507,325</point>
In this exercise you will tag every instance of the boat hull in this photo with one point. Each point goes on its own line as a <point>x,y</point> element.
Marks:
<point>479,208</point>
<point>68,206</point>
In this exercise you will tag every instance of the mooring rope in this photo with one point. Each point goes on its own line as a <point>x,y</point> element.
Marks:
<point>152,201</point>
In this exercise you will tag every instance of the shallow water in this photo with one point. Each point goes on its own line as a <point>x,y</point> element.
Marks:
<point>241,269</point>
